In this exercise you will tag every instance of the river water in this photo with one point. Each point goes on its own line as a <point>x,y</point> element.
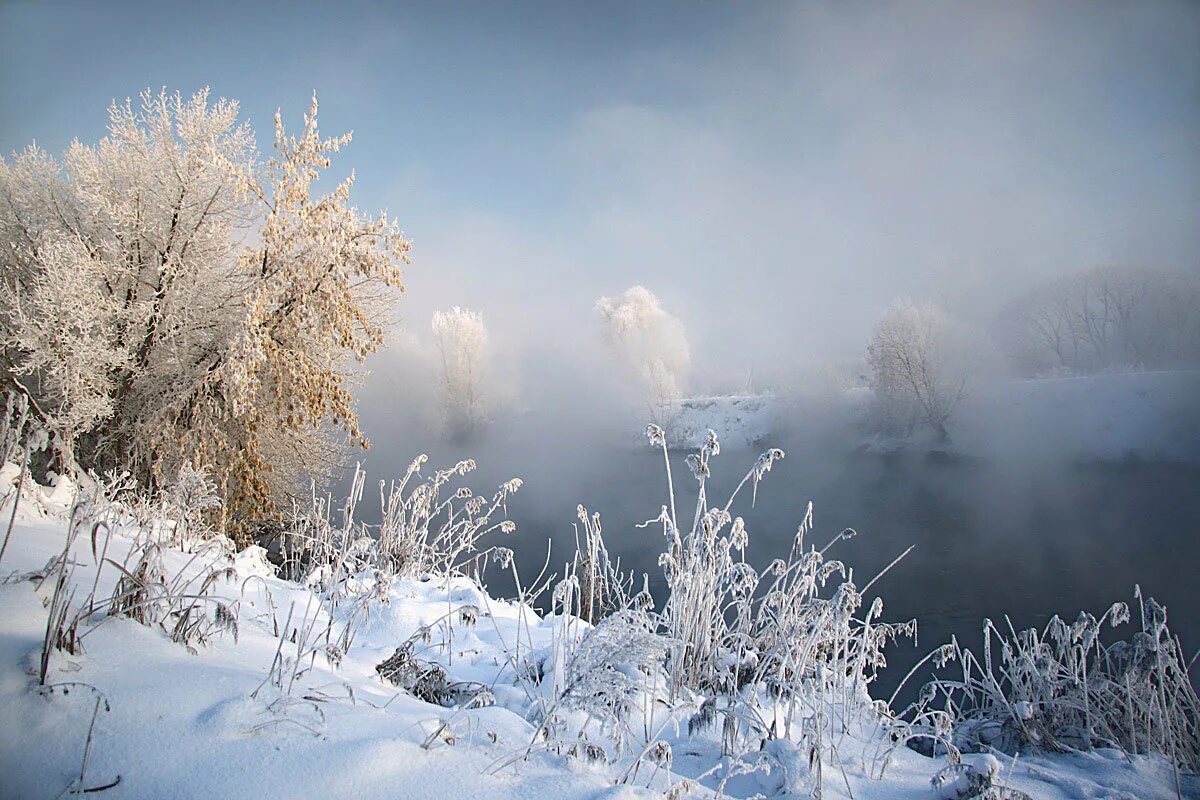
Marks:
<point>1026,537</point>
<point>990,538</point>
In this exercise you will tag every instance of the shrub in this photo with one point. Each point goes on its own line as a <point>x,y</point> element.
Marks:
<point>170,297</point>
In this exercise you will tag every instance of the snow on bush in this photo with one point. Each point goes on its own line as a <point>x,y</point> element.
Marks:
<point>171,298</point>
<point>976,779</point>
<point>1064,688</point>
<point>766,656</point>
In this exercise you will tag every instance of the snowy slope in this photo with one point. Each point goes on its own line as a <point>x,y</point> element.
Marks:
<point>188,725</point>
<point>184,724</point>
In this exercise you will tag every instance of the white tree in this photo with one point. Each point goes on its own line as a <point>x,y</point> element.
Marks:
<point>650,342</point>
<point>462,341</point>
<point>168,298</point>
<point>148,222</point>
<point>324,278</point>
<point>918,366</point>
<point>65,325</point>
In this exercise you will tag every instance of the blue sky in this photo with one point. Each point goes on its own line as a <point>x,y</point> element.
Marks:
<point>776,172</point>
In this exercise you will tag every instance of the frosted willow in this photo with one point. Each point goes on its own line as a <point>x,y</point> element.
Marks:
<point>169,297</point>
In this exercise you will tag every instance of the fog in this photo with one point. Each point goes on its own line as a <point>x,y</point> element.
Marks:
<point>796,176</point>
<point>779,182</point>
<point>776,189</point>
<point>776,175</point>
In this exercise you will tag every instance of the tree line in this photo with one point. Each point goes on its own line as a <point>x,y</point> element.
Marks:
<point>1108,319</point>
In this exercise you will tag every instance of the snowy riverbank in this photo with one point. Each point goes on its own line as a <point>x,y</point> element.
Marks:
<point>283,704</point>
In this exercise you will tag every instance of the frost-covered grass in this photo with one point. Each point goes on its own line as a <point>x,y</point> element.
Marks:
<point>766,655</point>
<point>427,527</point>
<point>1064,688</point>
<point>379,666</point>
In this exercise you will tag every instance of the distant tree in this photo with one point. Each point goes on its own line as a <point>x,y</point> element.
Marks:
<point>1103,320</point>
<point>650,342</point>
<point>170,299</point>
<point>918,371</point>
<point>462,339</point>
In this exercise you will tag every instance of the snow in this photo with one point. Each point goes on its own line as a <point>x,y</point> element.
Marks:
<point>183,724</point>
<point>963,782</point>
<point>186,723</point>
<point>739,420</point>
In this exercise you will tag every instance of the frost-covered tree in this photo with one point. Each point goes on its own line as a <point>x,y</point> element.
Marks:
<point>1105,319</point>
<point>918,367</point>
<point>145,223</point>
<point>64,324</point>
<point>169,298</point>
<point>649,341</point>
<point>279,393</point>
<point>462,339</point>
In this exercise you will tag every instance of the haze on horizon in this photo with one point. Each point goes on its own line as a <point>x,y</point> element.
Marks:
<point>776,173</point>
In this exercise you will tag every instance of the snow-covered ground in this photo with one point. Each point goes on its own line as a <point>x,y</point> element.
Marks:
<point>740,420</point>
<point>213,723</point>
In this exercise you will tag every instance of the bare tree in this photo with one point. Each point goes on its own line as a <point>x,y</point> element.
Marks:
<point>917,366</point>
<point>1103,320</point>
